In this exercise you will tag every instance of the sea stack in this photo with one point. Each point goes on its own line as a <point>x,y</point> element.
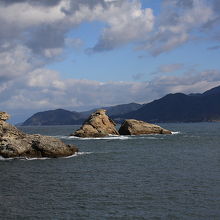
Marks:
<point>97,125</point>
<point>15,143</point>
<point>135,127</point>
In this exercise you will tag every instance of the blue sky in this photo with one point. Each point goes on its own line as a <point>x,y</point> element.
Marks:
<point>83,54</point>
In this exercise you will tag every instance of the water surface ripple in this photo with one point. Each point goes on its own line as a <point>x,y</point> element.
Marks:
<point>147,177</point>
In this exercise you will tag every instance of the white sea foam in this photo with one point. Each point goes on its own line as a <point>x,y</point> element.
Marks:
<point>2,158</point>
<point>78,154</point>
<point>115,137</point>
<point>175,132</point>
<point>34,158</point>
<point>43,158</point>
<point>61,136</point>
<point>110,137</point>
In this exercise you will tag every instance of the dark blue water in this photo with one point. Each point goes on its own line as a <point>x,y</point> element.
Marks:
<point>147,177</point>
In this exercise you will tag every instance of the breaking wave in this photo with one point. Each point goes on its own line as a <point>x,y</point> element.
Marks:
<point>44,158</point>
<point>175,132</point>
<point>115,137</point>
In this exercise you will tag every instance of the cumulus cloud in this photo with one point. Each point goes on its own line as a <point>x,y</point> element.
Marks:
<point>42,25</point>
<point>179,22</point>
<point>125,24</point>
<point>33,2</point>
<point>16,62</point>
<point>33,33</point>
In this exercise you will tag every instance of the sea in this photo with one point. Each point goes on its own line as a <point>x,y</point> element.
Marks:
<point>118,177</point>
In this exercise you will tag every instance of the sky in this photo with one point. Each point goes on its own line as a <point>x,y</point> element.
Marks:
<point>81,54</point>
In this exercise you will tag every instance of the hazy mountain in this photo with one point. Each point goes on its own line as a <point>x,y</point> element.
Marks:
<point>54,117</point>
<point>64,117</point>
<point>176,107</point>
<point>180,108</point>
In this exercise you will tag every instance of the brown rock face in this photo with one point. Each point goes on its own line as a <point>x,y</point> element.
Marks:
<point>4,116</point>
<point>97,125</point>
<point>135,127</point>
<point>15,143</point>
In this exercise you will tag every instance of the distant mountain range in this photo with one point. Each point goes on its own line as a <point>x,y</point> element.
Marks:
<point>65,117</point>
<point>179,107</point>
<point>176,107</point>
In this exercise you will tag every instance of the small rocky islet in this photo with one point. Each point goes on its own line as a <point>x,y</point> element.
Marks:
<point>100,125</point>
<point>136,127</point>
<point>97,125</point>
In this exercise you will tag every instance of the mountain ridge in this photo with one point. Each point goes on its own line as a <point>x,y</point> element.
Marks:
<point>177,107</point>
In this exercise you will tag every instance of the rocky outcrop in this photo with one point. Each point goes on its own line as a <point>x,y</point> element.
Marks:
<point>135,127</point>
<point>15,143</point>
<point>4,116</point>
<point>97,125</point>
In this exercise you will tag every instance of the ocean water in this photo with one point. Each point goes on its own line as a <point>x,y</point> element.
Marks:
<point>139,177</point>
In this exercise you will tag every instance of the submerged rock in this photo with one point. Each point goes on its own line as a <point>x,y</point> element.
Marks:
<point>97,125</point>
<point>15,143</point>
<point>135,127</point>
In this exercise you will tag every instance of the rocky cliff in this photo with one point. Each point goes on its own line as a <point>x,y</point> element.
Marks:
<point>97,125</point>
<point>15,143</point>
<point>135,127</point>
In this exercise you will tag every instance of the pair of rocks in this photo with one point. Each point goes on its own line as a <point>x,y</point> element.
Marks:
<point>100,125</point>
<point>15,143</point>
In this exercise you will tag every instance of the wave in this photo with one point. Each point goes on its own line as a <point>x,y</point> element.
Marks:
<point>110,137</point>
<point>175,132</point>
<point>78,154</point>
<point>114,137</point>
<point>2,158</point>
<point>44,158</point>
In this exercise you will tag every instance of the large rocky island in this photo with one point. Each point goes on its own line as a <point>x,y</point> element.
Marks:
<point>100,125</point>
<point>15,143</point>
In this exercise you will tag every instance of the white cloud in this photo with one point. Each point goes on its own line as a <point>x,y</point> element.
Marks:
<point>178,23</point>
<point>43,78</point>
<point>15,62</point>
<point>41,27</point>
<point>125,24</point>
<point>187,83</point>
<point>24,15</point>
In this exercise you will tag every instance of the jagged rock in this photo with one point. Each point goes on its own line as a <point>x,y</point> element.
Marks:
<point>4,116</point>
<point>135,127</point>
<point>97,125</point>
<point>15,143</point>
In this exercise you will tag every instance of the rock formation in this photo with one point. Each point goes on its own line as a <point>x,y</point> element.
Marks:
<point>97,125</point>
<point>4,116</point>
<point>135,127</point>
<point>15,143</point>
